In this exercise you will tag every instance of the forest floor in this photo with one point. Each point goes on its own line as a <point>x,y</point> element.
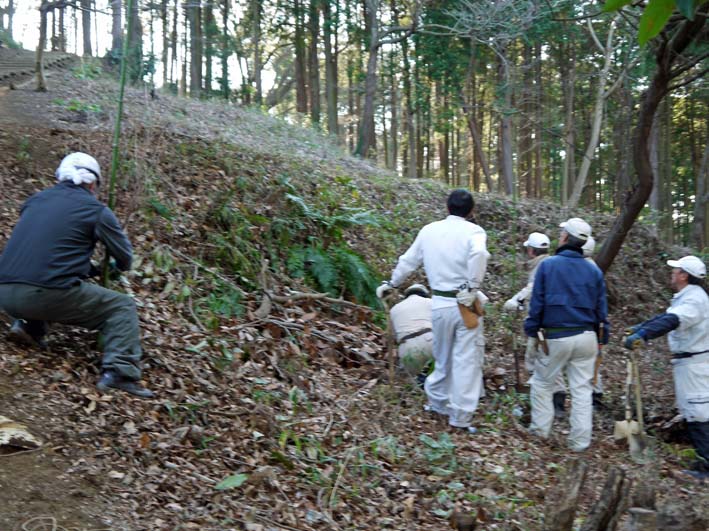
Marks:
<point>289,403</point>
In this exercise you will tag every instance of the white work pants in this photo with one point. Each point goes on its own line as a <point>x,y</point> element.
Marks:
<point>576,356</point>
<point>691,377</point>
<point>456,383</point>
<point>530,358</point>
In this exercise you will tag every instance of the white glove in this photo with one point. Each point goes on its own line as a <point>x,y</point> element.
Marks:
<point>466,297</point>
<point>384,289</point>
<point>511,305</point>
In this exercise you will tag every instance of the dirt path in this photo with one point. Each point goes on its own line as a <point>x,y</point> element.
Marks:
<point>36,486</point>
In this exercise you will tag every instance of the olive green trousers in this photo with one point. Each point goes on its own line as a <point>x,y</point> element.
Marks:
<point>86,305</point>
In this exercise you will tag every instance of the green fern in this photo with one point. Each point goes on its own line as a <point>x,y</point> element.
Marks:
<point>358,277</point>
<point>336,270</point>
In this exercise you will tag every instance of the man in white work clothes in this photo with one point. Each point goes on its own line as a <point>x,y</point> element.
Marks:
<point>453,254</point>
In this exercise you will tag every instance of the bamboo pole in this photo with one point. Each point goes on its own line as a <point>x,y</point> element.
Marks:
<point>117,127</point>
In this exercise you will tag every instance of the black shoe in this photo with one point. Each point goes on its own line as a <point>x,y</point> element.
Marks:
<point>697,474</point>
<point>421,379</point>
<point>18,334</point>
<point>111,380</point>
<point>559,410</point>
<point>598,401</point>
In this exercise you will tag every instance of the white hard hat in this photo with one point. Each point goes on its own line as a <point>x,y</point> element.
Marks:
<point>577,227</point>
<point>690,264</point>
<point>538,241</point>
<point>416,288</point>
<point>589,246</point>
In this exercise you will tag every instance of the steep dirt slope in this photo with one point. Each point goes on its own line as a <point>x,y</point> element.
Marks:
<point>291,404</point>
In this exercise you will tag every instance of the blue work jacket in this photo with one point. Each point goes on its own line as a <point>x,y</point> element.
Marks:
<point>569,297</point>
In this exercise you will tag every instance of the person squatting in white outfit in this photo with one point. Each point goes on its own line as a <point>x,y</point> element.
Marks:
<point>686,323</point>
<point>454,256</point>
<point>411,321</point>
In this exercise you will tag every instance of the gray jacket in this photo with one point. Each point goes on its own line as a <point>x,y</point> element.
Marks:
<point>52,243</point>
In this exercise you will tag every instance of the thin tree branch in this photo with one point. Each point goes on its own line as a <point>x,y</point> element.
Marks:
<point>687,81</point>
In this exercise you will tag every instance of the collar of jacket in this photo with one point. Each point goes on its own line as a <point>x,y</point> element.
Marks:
<point>73,186</point>
<point>567,250</point>
<point>534,262</point>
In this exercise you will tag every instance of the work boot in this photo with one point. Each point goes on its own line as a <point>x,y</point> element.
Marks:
<point>559,410</point>
<point>699,470</point>
<point>112,380</point>
<point>20,334</point>
<point>598,401</point>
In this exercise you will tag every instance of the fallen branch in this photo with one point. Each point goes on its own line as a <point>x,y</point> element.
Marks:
<point>299,295</point>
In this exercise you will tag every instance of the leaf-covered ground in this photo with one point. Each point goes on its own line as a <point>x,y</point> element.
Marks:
<point>280,416</point>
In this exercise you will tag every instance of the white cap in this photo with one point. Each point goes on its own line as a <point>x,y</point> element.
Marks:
<point>538,241</point>
<point>414,288</point>
<point>690,264</point>
<point>79,168</point>
<point>589,246</point>
<point>577,227</point>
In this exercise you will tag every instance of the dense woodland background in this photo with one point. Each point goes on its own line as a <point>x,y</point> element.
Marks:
<point>530,98</point>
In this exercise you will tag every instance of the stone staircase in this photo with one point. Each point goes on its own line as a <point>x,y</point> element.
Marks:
<point>16,65</point>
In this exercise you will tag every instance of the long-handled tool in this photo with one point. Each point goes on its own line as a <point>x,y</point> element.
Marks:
<point>389,339</point>
<point>630,429</point>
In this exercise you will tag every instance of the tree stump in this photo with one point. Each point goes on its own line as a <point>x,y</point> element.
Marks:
<point>642,519</point>
<point>622,505</point>
<point>605,508</point>
<point>562,502</point>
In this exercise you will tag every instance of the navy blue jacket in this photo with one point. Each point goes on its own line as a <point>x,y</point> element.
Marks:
<point>569,294</point>
<point>52,243</point>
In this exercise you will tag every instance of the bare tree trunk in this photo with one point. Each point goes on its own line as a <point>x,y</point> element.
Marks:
<point>62,31</point>
<point>567,67</point>
<point>506,162</point>
<point>135,44</point>
<point>39,58</point>
<point>165,40</point>
<point>257,11</point>
<point>194,8</point>
<point>86,26</point>
<point>116,29</point>
<point>210,26</point>
<point>173,43</point>
<point>330,32</point>
<point>301,92</point>
<point>10,15</point>
<point>701,205</point>
<point>409,157</point>
<point>599,106</point>
<point>669,51</point>
<point>622,143</point>
<point>313,61</point>
<point>539,122</point>
<point>225,50</point>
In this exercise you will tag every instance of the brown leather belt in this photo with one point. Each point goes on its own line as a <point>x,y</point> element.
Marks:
<point>414,334</point>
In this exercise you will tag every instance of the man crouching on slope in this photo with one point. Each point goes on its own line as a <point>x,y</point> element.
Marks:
<point>454,258</point>
<point>47,259</point>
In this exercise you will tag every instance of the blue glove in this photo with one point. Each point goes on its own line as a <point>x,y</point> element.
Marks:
<point>635,340</point>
